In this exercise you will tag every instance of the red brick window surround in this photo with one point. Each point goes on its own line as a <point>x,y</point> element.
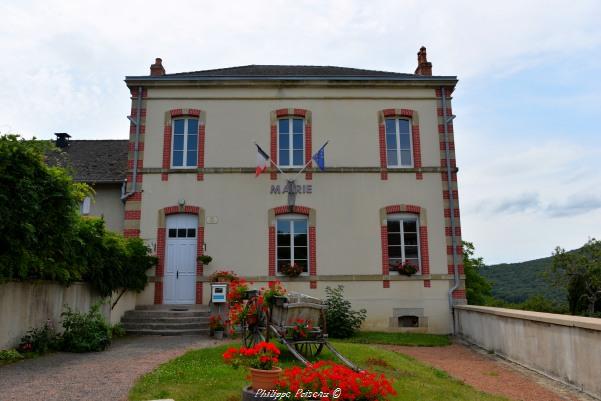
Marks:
<point>274,147</point>
<point>387,215</point>
<point>162,243</point>
<point>172,115</point>
<point>309,213</point>
<point>405,115</point>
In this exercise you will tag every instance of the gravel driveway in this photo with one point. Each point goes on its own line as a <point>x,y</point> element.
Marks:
<point>95,376</point>
<point>491,375</point>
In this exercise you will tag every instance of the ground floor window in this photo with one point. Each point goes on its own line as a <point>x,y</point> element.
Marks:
<point>292,241</point>
<point>403,239</point>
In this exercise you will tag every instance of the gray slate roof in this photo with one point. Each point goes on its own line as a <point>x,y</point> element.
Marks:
<point>94,161</point>
<point>289,72</point>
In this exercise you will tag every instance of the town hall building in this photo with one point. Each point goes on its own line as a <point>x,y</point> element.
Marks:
<point>380,195</point>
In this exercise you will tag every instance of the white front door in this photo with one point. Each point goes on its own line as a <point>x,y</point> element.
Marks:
<point>179,281</point>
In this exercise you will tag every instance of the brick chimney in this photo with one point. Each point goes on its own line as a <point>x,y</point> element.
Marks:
<point>62,140</point>
<point>157,69</point>
<point>424,67</point>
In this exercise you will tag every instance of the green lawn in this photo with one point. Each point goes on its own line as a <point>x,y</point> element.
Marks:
<point>412,339</point>
<point>201,375</point>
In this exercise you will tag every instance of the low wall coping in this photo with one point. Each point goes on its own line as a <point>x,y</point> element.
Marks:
<point>589,323</point>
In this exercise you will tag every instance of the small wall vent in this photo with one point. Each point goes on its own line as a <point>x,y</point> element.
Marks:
<point>408,321</point>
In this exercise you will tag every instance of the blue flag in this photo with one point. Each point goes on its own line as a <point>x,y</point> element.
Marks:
<point>319,157</point>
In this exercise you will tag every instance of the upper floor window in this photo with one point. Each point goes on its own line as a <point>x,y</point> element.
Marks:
<point>185,142</point>
<point>292,241</point>
<point>291,142</point>
<point>403,239</point>
<point>398,142</point>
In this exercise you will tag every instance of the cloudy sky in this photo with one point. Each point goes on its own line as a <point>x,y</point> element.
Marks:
<point>528,103</point>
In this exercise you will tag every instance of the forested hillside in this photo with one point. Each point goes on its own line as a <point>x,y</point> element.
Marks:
<point>516,282</point>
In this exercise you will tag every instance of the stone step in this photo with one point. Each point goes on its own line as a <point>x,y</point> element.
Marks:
<point>146,319</point>
<point>144,332</point>
<point>189,307</point>
<point>151,314</point>
<point>164,326</point>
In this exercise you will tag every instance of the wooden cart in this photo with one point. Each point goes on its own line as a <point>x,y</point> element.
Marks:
<point>279,318</point>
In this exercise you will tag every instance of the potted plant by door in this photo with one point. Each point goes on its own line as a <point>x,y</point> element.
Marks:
<point>217,327</point>
<point>261,360</point>
<point>204,259</point>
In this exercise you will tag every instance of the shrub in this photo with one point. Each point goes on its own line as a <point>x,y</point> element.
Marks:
<point>85,332</point>
<point>9,355</point>
<point>341,320</point>
<point>117,330</point>
<point>111,262</point>
<point>39,340</point>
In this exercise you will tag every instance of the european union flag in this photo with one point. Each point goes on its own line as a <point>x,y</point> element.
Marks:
<point>319,157</point>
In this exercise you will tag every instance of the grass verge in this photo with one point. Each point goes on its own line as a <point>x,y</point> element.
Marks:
<point>201,375</point>
<point>411,339</point>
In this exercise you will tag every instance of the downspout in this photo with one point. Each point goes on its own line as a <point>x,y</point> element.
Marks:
<point>136,122</point>
<point>446,120</point>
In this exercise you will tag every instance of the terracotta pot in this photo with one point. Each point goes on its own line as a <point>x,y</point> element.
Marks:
<point>264,379</point>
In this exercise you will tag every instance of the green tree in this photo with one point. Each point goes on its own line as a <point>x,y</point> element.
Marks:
<point>580,272</point>
<point>38,210</point>
<point>478,289</point>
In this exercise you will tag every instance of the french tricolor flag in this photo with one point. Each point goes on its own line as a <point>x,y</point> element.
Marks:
<point>262,161</point>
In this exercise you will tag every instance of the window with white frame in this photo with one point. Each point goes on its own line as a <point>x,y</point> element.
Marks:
<point>84,208</point>
<point>398,142</point>
<point>291,142</point>
<point>403,239</point>
<point>292,241</point>
<point>184,147</point>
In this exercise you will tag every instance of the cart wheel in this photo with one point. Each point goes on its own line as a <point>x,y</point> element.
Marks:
<point>252,335</point>
<point>309,350</point>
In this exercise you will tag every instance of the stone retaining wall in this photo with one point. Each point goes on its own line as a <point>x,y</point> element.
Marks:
<point>24,305</point>
<point>567,348</point>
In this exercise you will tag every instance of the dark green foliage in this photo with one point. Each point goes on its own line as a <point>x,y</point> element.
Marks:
<point>43,236</point>
<point>9,355</point>
<point>85,332</point>
<point>580,273</point>
<point>111,262</point>
<point>516,282</point>
<point>39,340</point>
<point>341,320</point>
<point>117,330</point>
<point>38,208</point>
<point>478,289</point>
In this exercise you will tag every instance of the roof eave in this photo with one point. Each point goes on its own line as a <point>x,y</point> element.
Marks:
<point>279,80</point>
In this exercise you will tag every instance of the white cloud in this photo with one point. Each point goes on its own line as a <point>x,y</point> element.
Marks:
<point>64,62</point>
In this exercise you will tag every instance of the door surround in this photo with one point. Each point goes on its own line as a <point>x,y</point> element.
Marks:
<point>162,243</point>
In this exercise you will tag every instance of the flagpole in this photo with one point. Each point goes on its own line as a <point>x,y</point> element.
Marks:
<point>310,160</point>
<point>272,162</point>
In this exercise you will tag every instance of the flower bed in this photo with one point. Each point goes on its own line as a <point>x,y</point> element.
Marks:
<point>325,380</point>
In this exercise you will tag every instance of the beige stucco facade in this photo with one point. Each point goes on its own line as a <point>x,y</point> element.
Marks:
<point>347,199</point>
<point>106,203</point>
